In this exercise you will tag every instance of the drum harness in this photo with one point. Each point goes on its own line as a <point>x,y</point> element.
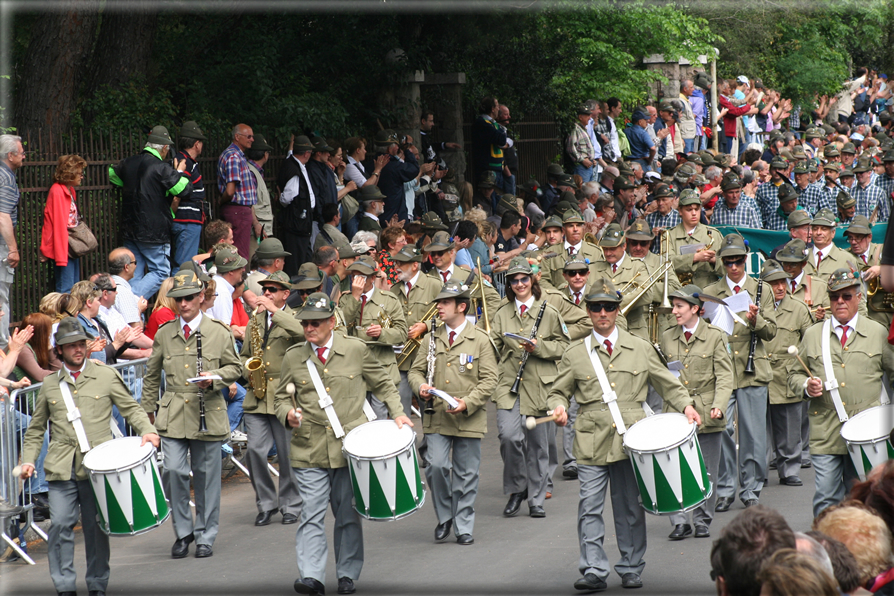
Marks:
<point>831,383</point>
<point>608,394</point>
<point>74,416</point>
<point>326,401</point>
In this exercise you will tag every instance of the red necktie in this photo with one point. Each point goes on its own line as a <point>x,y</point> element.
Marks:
<point>522,309</point>
<point>75,375</point>
<point>362,299</point>
<point>577,298</point>
<point>688,335</point>
<point>186,331</point>
<point>608,347</point>
<point>819,259</point>
<point>409,287</point>
<point>615,268</point>
<point>444,274</point>
<point>570,251</point>
<point>794,286</point>
<point>736,289</point>
<point>864,259</point>
<point>844,329</point>
<point>320,352</point>
<point>451,337</point>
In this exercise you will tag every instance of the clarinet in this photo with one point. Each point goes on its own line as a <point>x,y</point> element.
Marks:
<point>430,360</point>
<point>749,365</point>
<point>203,427</point>
<point>525,354</point>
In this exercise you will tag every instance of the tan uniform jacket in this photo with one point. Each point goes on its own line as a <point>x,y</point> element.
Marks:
<point>653,263</point>
<point>577,321</point>
<point>414,306</point>
<point>383,346</point>
<point>632,366</point>
<point>350,369</point>
<point>819,293</point>
<point>792,320</point>
<point>836,259</point>
<point>474,384</point>
<point>688,271</point>
<point>491,296</point>
<point>876,304</point>
<point>285,332</point>
<point>707,370</point>
<point>98,388</point>
<point>178,410</point>
<point>740,340</point>
<point>635,270</point>
<point>858,366</point>
<point>552,267</point>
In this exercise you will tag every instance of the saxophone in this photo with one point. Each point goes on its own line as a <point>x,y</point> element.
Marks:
<point>255,364</point>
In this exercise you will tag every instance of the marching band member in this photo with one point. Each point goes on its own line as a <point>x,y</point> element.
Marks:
<point>442,253</point>
<point>464,366</point>
<point>328,364</point>
<point>93,389</point>
<point>867,257</point>
<point>707,375</point>
<point>813,291</point>
<point>621,269</point>
<point>525,452</point>
<point>825,257</point>
<point>627,364</point>
<point>701,267</point>
<point>574,246</point>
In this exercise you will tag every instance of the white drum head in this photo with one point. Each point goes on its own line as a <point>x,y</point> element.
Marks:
<point>379,438</point>
<point>117,454</point>
<point>869,425</point>
<point>658,432</point>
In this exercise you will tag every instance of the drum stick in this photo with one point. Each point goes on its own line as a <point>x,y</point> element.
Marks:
<point>793,350</point>
<point>531,422</point>
<point>290,389</point>
<point>17,471</point>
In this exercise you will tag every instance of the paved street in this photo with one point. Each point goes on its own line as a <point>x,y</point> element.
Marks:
<point>510,556</point>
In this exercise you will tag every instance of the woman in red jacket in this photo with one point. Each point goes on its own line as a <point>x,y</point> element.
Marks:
<point>60,214</point>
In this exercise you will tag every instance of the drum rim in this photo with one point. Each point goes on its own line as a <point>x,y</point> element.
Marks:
<point>158,524</point>
<point>692,434</point>
<point>149,455</point>
<point>349,455</point>
<point>396,517</point>
<point>859,416</point>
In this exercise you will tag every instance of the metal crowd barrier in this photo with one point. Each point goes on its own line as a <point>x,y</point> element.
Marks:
<point>15,416</point>
<point>500,283</point>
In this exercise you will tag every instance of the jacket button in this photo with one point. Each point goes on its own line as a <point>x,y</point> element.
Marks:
<point>268,364</point>
<point>185,366</point>
<point>685,382</point>
<point>588,376</point>
<point>186,401</point>
<point>735,335</point>
<point>75,392</point>
<point>447,381</point>
<point>842,365</point>
<point>324,370</point>
<point>610,366</point>
<point>304,382</point>
<point>843,384</point>
<point>327,389</point>
<point>448,365</point>
<point>186,348</point>
<point>613,384</point>
<point>187,384</point>
<point>54,402</point>
<point>687,350</point>
<point>685,366</point>
<point>736,352</point>
<point>268,347</point>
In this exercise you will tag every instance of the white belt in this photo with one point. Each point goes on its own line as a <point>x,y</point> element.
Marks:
<point>831,383</point>
<point>74,415</point>
<point>608,394</point>
<point>325,401</point>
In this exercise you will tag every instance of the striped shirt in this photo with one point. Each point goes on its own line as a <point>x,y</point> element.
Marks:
<point>886,183</point>
<point>767,197</point>
<point>742,216</point>
<point>9,194</point>
<point>232,167</point>
<point>868,199</point>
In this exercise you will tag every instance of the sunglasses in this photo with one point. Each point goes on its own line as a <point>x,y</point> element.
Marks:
<point>640,242</point>
<point>438,253</point>
<point>314,323</point>
<point>847,297</point>
<point>272,289</point>
<point>734,262</point>
<point>600,306</point>
<point>180,299</point>
<point>520,280</point>
<point>577,273</point>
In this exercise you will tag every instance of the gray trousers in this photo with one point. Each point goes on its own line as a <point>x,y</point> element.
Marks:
<point>454,480</point>
<point>318,488</point>
<point>552,454</point>
<point>265,430</point>
<point>747,408</point>
<point>378,406</point>
<point>785,422</point>
<point>204,461</point>
<point>68,500</point>
<point>629,517</point>
<point>7,276</point>
<point>834,476</point>
<point>570,462</point>
<point>406,393</point>
<point>805,432</point>
<point>654,400</point>
<point>525,456</point>
<point>703,515</point>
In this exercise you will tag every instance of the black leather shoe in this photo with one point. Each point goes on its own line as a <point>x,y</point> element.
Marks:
<point>97,593</point>
<point>308,585</point>
<point>181,547</point>
<point>203,551</point>
<point>289,518</point>
<point>346,585</point>
<point>772,465</point>
<point>791,481</point>
<point>569,474</point>
<point>631,580</point>
<point>702,532</point>
<point>680,532</point>
<point>515,501</point>
<point>465,539</point>
<point>443,531</point>
<point>590,583</point>
<point>263,518</point>
<point>67,593</point>
<point>750,503</point>
<point>806,464</point>
<point>536,511</point>
<point>723,504</point>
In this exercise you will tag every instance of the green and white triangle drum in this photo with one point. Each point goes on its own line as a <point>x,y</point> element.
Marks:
<point>384,470</point>
<point>127,487</point>
<point>668,464</point>
<point>868,438</point>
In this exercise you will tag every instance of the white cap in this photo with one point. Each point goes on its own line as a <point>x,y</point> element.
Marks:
<point>652,177</point>
<point>742,79</point>
<point>857,136</point>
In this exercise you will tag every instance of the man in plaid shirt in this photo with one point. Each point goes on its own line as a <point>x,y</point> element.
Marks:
<point>603,131</point>
<point>886,183</point>
<point>728,211</point>
<point>787,197</point>
<point>767,193</point>
<point>822,194</point>
<point>238,189</point>
<point>869,197</point>
<point>665,217</point>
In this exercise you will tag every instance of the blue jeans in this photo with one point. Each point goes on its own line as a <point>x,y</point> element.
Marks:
<point>234,406</point>
<point>185,238</point>
<point>506,183</point>
<point>702,142</point>
<point>729,144</point>
<point>586,174</point>
<point>688,144</point>
<point>155,258</point>
<point>68,276</point>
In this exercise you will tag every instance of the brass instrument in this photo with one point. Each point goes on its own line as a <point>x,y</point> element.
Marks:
<point>384,319</point>
<point>412,344</point>
<point>626,286</point>
<point>255,364</point>
<point>653,279</point>
<point>653,321</point>
<point>885,300</point>
<point>340,319</point>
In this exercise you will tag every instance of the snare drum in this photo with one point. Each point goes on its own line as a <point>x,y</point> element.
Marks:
<point>384,470</point>
<point>127,487</point>
<point>868,438</point>
<point>667,460</point>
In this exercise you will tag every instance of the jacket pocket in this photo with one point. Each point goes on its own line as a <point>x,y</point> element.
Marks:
<point>164,412</point>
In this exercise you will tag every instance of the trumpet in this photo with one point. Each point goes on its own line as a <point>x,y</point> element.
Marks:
<point>653,279</point>
<point>384,319</point>
<point>412,344</point>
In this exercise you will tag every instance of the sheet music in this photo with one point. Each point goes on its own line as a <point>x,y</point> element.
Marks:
<point>691,249</point>
<point>739,302</point>
<point>720,316</point>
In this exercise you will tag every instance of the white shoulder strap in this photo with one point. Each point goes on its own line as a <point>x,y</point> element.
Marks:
<point>831,383</point>
<point>74,415</point>
<point>326,401</point>
<point>608,394</point>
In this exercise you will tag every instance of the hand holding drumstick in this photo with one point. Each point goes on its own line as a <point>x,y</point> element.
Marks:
<point>814,384</point>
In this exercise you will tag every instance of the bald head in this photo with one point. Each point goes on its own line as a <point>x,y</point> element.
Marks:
<point>653,114</point>
<point>122,263</point>
<point>243,136</point>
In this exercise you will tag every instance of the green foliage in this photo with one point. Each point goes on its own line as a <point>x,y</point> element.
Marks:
<point>133,106</point>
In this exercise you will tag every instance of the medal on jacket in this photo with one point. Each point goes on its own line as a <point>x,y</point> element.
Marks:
<point>464,359</point>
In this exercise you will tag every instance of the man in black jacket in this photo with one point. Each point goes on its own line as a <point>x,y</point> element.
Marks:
<point>297,197</point>
<point>152,193</point>
<point>401,168</point>
<point>322,179</point>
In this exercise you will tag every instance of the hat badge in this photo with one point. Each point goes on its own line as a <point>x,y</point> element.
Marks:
<point>321,303</point>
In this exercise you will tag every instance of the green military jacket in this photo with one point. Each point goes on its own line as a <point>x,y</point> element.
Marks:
<point>635,270</point>
<point>740,340</point>
<point>858,366</point>
<point>474,382</point>
<point>541,367</point>
<point>792,320</point>
<point>395,335</point>
<point>707,370</point>
<point>416,304</point>
<point>819,293</point>
<point>632,366</point>
<point>575,316</point>
<point>491,297</point>
<point>350,370</point>
<point>878,304</point>
<point>178,410</point>
<point>368,224</point>
<point>98,388</point>
<point>836,259</point>
<point>552,267</point>
<point>689,272</point>
<point>285,332</point>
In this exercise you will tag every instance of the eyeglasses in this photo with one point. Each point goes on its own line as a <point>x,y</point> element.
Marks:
<point>109,289</point>
<point>523,279</point>
<point>600,306</point>
<point>242,134</point>
<point>577,273</point>
<point>734,262</point>
<point>190,298</point>
<point>847,297</point>
<point>854,238</point>
<point>313,324</point>
<point>272,289</point>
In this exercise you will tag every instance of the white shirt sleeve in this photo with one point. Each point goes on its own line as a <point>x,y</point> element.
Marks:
<point>352,172</point>
<point>290,191</point>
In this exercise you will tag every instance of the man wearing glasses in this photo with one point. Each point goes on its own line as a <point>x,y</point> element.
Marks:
<point>275,322</point>
<point>629,365</point>
<point>12,156</point>
<point>854,348</point>
<point>176,352</point>
<point>748,403</point>
<point>238,188</point>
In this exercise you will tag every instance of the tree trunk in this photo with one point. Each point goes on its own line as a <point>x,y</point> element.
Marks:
<point>60,44</point>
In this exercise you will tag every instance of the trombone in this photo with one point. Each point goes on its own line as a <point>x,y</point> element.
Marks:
<point>653,279</point>
<point>413,343</point>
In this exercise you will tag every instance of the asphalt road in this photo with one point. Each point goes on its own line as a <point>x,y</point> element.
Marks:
<point>520,555</point>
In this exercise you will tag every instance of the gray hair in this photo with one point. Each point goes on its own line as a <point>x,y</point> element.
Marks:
<point>713,172</point>
<point>9,144</point>
<point>590,188</point>
<point>156,146</point>
<point>364,237</point>
<point>636,166</point>
<point>809,546</point>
